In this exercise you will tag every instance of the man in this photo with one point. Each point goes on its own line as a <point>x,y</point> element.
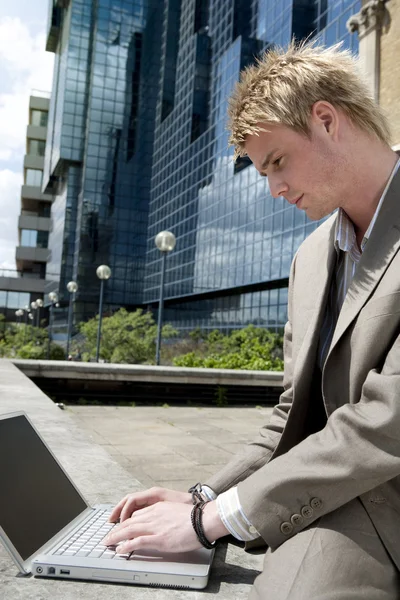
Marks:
<point>321,483</point>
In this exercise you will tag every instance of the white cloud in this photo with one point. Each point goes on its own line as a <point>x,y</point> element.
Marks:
<point>25,66</point>
<point>10,194</point>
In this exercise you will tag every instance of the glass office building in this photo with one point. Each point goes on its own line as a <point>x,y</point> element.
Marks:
<point>138,144</point>
<point>94,164</point>
<point>235,242</point>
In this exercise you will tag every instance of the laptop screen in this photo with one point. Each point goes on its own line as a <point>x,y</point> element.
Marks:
<point>37,499</point>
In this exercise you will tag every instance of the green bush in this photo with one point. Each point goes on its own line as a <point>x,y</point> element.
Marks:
<point>36,352</point>
<point>251,348</point>
<point>25,341</point>
<point>126,337</point>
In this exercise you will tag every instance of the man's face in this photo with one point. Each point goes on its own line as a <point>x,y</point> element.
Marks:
<point>303,170</point>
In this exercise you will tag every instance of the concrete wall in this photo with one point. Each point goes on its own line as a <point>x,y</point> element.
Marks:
<point>389,95</point>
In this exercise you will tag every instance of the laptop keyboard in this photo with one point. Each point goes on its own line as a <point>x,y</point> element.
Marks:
<point>87,541</point>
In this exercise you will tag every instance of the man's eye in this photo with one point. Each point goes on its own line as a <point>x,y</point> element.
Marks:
<point>277,161</point>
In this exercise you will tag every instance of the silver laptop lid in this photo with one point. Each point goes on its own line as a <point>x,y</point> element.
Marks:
<point>37,498</point>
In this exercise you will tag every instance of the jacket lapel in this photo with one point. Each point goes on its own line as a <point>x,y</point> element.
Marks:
<point>379,251</point>
<point>318,286</point>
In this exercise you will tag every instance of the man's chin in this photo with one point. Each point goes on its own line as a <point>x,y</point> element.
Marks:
<point>314,215</point>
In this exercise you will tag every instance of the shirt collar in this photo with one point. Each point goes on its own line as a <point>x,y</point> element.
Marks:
<point>345,237</point>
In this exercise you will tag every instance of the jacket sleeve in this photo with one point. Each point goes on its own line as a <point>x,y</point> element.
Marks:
<point>358,450</point>
<point>258,452</point>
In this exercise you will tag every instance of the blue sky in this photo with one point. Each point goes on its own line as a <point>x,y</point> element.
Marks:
<point>24,66</point>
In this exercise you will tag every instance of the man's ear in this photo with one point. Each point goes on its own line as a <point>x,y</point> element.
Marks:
<point>324,114</point>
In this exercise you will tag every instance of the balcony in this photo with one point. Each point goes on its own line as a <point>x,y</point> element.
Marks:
<point>22,284</point>
<point>34,222</point>
<point>33,161</point>
<point>36,132</point>
<point>25,255</point>
<point>33,192</point>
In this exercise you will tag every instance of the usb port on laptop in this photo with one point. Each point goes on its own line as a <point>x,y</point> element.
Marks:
<point>64,572</point>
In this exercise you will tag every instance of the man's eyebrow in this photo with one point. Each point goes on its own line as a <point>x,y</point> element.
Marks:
<point>267,159</point>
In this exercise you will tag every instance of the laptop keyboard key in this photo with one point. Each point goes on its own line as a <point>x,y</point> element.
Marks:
<point>95,553</point>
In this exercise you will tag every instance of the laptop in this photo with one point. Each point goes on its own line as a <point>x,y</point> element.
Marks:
<point>50,531</point>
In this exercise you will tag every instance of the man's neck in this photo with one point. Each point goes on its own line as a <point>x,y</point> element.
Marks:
<point>361,208</point>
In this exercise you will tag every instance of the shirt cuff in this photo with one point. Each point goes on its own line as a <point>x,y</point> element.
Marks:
<point>233,517</point>
<point>208,492</point>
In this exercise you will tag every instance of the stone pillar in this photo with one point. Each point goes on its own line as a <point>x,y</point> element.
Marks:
<point>389,92</point>
<point>368,24</point>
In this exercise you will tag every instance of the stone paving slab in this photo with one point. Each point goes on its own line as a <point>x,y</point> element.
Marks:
<point>173,446</point>
<point>103,477</point>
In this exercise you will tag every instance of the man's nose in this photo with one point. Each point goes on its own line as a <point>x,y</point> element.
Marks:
<point>277,187</point>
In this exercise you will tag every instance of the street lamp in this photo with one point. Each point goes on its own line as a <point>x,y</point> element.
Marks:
<point>26,310</point>
<point>103,273</point>
<point>39,304</point>
<point>72,287</point>
<point>19,313</point>
<point>53,300</point>
<point>165,242</point>
<point>30,317</point>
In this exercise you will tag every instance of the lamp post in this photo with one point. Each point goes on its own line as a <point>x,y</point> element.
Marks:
<point>26,310</point>
<point>103,273</point>
<point>33,307</point>
<point>53,297</point>
<point>19,313</point>
<point>39,304</point>
<point>165,242</point>
<point>72,287</point>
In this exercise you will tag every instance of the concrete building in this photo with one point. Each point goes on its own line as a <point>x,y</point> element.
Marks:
<point>377,26</point>
<point>27,283</point>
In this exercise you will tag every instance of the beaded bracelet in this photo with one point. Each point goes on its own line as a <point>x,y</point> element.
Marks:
<point>196,517</point>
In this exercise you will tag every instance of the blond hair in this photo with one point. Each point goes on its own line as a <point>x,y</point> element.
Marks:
<point>284,84</point>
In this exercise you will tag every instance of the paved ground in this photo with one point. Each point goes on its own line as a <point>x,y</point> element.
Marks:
<point>172,447</point>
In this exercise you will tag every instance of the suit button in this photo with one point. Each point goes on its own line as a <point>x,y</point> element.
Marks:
<point>296,520</point>
<point>252,529</point>
<point>307,512</point>
<point>286,528</point>
<point>316,503</point>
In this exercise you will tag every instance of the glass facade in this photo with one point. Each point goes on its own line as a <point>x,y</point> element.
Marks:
<point>93,162</point>
<point>38,117</point>
<point>235,243</point>
<point>14,300</point>
<point>137,143</point>
<point>33,177</point>
<point>34,239</point>
<point>36,147</point>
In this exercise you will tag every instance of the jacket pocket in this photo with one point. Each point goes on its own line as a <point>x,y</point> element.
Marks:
<point>380,307</point>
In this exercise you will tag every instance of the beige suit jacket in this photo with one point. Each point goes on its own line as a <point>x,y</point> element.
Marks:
<point>286,471</point>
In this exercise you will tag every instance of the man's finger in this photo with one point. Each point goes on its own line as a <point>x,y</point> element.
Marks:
<point>116,511</point>
<point>153,542</point>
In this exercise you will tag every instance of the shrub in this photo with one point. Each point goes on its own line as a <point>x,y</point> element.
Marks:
<point>251,348</point>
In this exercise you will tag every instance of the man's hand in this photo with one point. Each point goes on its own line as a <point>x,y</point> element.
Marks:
<point>164,526</point>
<point>159,519</point>
<point>139,500</point>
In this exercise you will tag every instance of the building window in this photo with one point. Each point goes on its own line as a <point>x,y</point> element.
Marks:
<point>34,239</point>
<point>33,177</point>
<point>39,118</point>
<point>36,147</point>
<point>14,299</point>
